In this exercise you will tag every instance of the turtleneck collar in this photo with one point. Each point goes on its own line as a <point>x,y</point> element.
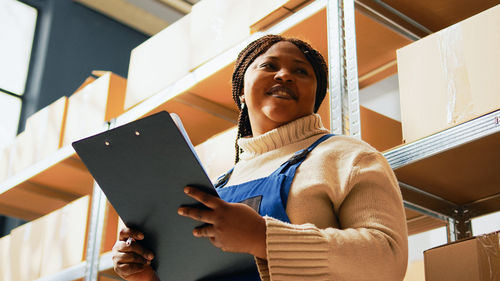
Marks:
<point>289,133</point>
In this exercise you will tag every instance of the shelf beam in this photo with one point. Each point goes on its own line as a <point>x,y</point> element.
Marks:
<point>49,191</point>
<point>18,212</point>
<point>68,274</point>
<point>483,206</point>
<point>37,168</point>
<point>453,137</point>
<point>425,203</point>
<point>392,19</point>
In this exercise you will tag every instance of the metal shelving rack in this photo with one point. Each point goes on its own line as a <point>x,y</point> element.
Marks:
<point>345,119</point>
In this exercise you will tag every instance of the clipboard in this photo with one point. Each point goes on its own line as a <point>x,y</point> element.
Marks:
<point>142,167</point>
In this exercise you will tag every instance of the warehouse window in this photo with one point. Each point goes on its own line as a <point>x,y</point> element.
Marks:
<point>17,30</point>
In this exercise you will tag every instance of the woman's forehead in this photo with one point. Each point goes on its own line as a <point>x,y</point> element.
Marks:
<point>284,50</point>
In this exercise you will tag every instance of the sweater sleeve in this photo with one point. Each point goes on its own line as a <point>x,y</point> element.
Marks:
<point>370,244</point>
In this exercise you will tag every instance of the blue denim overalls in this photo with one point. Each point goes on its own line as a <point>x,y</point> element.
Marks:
<point>268,195</point>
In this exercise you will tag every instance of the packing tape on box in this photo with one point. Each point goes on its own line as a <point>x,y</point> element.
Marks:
<point>459,97</point>
<point>489,248</point>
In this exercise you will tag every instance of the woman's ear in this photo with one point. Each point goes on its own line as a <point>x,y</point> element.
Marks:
<point>242,98</point>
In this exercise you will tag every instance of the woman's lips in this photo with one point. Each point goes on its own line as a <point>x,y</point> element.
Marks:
<point>282,92</point>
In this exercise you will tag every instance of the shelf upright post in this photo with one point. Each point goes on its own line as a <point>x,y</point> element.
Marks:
<point>459,227</point>
<point>343,68</point>
<point>96,227</point>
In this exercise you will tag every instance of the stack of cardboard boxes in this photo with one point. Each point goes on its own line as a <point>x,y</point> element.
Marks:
<point>445,79</point>
<point>64,121</point>
<point>58,240</point>
<point>46,245</point>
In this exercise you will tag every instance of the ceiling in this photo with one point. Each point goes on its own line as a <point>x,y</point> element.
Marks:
<point>147,16</point>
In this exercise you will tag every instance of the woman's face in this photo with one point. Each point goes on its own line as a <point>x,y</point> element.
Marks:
<point>279,87</point>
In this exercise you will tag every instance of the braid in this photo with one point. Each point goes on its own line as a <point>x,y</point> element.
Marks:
<point>249,54</point>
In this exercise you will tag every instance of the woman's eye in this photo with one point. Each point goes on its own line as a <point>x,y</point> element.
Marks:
<point>268,65</point>
<point>302,71</point>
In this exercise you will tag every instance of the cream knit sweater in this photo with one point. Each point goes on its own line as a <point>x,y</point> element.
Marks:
<point>345,207</point>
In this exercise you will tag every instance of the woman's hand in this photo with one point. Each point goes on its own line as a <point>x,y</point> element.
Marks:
<point>234,227</point>
<point>130,260</point>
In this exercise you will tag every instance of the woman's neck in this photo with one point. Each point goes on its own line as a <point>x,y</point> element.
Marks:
<point>294,131</point>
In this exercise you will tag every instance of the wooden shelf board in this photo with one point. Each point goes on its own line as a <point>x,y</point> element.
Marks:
<point>436,15</point>
<point>199,124</point>
<point>217,87</point>
<point>45,186</point>
<point>462,175</point>
<point>376,45</point>
<point>418,223</point>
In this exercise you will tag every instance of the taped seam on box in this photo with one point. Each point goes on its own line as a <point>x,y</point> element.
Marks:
<point>459,98</point>
<point>489,248</point>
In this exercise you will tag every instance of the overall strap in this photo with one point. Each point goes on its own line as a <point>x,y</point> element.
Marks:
<point>299,156</point>
<point>289,168</point>
<point>222,180</point>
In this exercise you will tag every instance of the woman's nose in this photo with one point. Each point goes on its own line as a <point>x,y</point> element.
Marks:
<point>283,76</point>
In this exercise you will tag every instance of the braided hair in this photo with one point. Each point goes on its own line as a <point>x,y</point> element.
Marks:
<point>257,48</point>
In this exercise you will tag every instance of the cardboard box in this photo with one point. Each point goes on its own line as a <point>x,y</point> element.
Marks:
<point>41,137</point>
<point>451,76</point>
<point>47,128</point>
<point>217,153</point>
<point>93,105</point>
<point>212,27</point>
<point>64,238</point>
<point>4,162</point>
<point>22,152</point>
<point>5,258</point>
<point>159,61</point>
<point>26,251</point>
<point>218,25</point>
<point>475,259</point>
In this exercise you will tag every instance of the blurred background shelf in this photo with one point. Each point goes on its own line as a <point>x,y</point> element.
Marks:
<point>45,186</point>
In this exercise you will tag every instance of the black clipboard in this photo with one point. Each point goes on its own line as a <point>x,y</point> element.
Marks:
<point>142,167</point>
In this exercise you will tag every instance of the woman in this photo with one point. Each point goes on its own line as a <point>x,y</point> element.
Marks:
<point>312,206</point>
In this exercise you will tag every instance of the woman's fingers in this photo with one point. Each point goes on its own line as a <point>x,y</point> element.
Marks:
<point>202,215</point>
<point>204,231</point>
<point>208,200</point>
<point>127,269</point>
<point>126,233</point>
<point>131,257</point>
<point>134,247</point>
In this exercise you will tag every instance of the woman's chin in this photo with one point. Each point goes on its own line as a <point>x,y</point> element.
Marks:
<point>282,117</point>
